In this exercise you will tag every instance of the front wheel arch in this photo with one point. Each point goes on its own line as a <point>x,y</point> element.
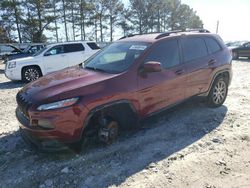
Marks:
<point>118,110</point>
<point>25,67</point>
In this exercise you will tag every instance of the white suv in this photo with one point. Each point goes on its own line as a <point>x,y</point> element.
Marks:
<point>52,58</point>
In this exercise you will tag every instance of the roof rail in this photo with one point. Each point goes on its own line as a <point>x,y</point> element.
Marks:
<point>179,31</point>
<point>165,34</point>
<point>197,30</point>
<point>132,35</point>
<point>168,33</point>
<point>127,36</point>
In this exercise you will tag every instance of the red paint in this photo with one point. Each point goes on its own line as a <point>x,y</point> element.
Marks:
<point>148,92</point>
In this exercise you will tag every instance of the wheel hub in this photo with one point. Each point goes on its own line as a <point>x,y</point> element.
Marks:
<point>219,92</point>
<point>31,74</point>
<point>109,132</point>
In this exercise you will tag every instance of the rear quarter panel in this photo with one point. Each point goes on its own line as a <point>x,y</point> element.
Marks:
<point>224,64</point>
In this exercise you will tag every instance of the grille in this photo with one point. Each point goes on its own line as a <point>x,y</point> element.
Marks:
<point>23,104</point>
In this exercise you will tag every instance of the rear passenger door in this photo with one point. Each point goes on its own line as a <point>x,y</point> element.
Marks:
<point>74,53</point>
<point>198,64</point>
<point>158,90</point>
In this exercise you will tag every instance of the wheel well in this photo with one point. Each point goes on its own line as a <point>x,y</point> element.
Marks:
<point>123,113</point>
<point>36,66</point>
<point>225,75</point>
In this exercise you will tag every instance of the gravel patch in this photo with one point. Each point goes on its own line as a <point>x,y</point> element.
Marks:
<point>188,146</point>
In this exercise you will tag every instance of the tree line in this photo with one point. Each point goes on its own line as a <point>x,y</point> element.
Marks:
<point>32,20</point>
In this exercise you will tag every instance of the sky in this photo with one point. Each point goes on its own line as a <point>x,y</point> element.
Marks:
<point>233,16</point>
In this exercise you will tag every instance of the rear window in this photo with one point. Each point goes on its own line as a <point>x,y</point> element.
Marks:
<point>212,45</point>
<point>73,47</point>
<point>194,48</point>
<point>93,45</point>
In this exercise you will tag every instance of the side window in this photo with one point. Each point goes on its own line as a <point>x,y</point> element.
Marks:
<point>193,48</point>
<point>73,48</point>
<point>40,47</point>
<point>54,51</point>
<point>33,49</point>
<point>93,45</point>
<point>165,52</point>
<point>212,45</point>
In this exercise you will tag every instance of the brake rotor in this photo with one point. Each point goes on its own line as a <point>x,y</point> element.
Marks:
<point>108,132</point>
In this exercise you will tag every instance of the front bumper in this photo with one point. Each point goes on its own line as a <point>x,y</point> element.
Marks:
<point>12,74</point>
<point>42,144</point>
<point>67,129</point>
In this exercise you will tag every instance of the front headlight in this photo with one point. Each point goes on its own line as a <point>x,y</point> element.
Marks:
<point>58,104</point>
<point>11,64</point>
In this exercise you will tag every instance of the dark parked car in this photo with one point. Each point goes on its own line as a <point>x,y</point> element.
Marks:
<point>235,44</point>
<point>127,81</point>
<point>29,51</point>
<point>8,49</point>
<point>241,51</point>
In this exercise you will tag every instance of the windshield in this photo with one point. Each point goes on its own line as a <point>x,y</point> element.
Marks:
<point>41,51</point>
<point>27,49</point>
<point>116,57</point>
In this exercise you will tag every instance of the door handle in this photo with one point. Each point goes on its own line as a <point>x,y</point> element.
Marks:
<point>212,62</point>
<point>179,72</point>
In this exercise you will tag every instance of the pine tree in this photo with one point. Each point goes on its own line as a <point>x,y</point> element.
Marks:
<point>39,17</point>
<point>56,9</point>
<point>138,10</point>
<point>64,10</point>
<point>115,9</point>
<point>125,22</point>
<point>94,19</point>
<point>12,15</point>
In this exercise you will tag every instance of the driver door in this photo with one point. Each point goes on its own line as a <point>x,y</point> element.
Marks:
<point>158,90</point>
<point>55,59</point>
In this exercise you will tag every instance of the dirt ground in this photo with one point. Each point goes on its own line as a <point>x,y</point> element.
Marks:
<point>188,146</point>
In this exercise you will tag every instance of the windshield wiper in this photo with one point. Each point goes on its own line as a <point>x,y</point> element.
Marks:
<point>95,69</point>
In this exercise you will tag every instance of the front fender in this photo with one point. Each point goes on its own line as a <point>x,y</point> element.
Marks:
<point>32,63</point>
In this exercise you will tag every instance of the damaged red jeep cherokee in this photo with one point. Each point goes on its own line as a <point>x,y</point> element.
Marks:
<point>130,79</point>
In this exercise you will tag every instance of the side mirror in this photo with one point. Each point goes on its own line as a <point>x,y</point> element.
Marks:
<point>152,66</point>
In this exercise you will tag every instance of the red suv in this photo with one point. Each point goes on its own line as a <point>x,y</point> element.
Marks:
<point>130,79</point>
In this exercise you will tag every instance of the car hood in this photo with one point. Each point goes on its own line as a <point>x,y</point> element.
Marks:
<point>58,83</point>
<point>25,59</point>
<point>20,55</point>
